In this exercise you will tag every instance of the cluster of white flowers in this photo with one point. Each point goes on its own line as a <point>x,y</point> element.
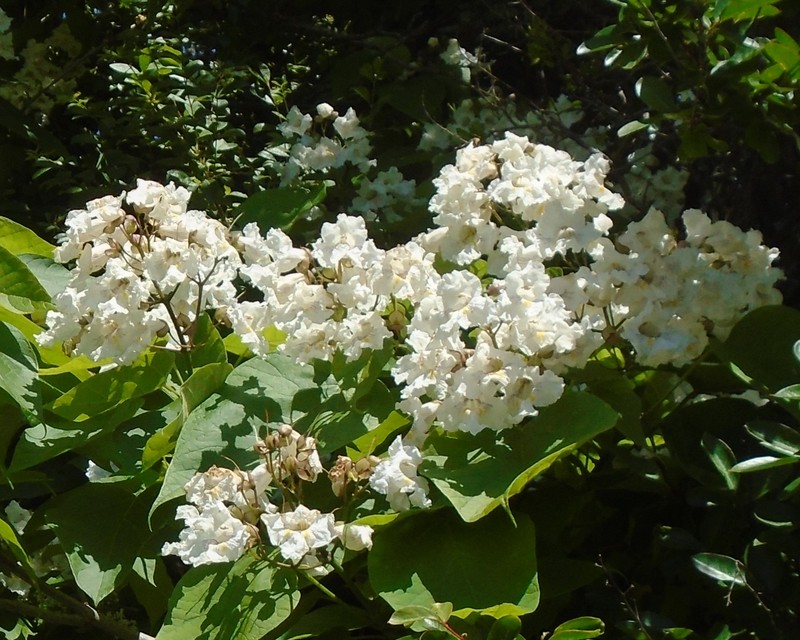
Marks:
<point>455,55</point>
<point>388,193</point>
<point>519,281</point>
<point>384,194</point>
<point>312,151</point>
<point>646,179</point>
<point>482,345</point>
<point>325,299</point>
<point>226,507</point>
<point>667,295</point>
<point>139,273</point>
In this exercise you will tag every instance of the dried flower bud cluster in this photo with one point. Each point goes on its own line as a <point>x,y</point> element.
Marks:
<point>346,472</point>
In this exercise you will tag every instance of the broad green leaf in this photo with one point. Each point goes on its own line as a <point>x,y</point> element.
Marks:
<point>326,620</point>
<point>769,360</point>
<point>102,529</point>
<point>479,473</point>
<point>53,277</point>
<point>20,291</point>
<point>43,442</point>
<point>109,388</point>
<point>369,442</point>
<point>619,391</point>
<point>243,601</point>
<point>79,366</point>
<point>208,345</point>
<point>581,628</point>
<point>279,207</point>
<point>18,239</point>
<point>225,426</point>
<point>722,568</point>
<point>18,373</point>
<point>200,385</point>
<point>330,417</point>
<point>445,567</point>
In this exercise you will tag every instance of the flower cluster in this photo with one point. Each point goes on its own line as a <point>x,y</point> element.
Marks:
<point>145,266</point>
<point>536,284</point>
<point>227,508</point>
<point>317,152</point>
<point>521,280</point>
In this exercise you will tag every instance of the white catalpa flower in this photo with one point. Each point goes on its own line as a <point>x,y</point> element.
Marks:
<point>212,534</point>
<point>397,479</point>
<point>355,537</point>
<point>297,533</point>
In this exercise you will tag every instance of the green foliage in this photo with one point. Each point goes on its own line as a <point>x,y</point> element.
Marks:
<point>707,71</point>
<point>664,501</point>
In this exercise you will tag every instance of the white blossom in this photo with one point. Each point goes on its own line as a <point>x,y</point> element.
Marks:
<point>211,534</point>
<point>396,477</point>
<point>299,532</point>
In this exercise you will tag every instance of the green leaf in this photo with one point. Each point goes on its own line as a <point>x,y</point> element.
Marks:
<point>198,387</point>
<point>44,442</point>
<point>51,275</point>
<point>579,629</point>
<point>423,618</point>
<point>631,127</point>
<point>102,529</point>
<point>479,473</point>
<point>9,536</point>
<point>744,10</point>
<point>370,441</point>
<point>444,566</point>
<point>109,388</point>
<point>327,619</point>
<point>656,94</point>
<point>242,601</point>
<point>761,463</point>
<point>224,427</point>
<point>279,207</point>
<point>722,568</point>
<point>208,345</point>
<point>603,40</point>
<point>775,436</point>
<point>20,291</point>
<point>18,373</point>
<point>619,391</point>
<point>770,360</point>
<point>721,457</point>
<point>18,239</point>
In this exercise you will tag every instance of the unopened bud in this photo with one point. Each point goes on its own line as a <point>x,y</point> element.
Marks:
<point>285,430</point>
<point>397,321</point>
<point>289,464</point>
